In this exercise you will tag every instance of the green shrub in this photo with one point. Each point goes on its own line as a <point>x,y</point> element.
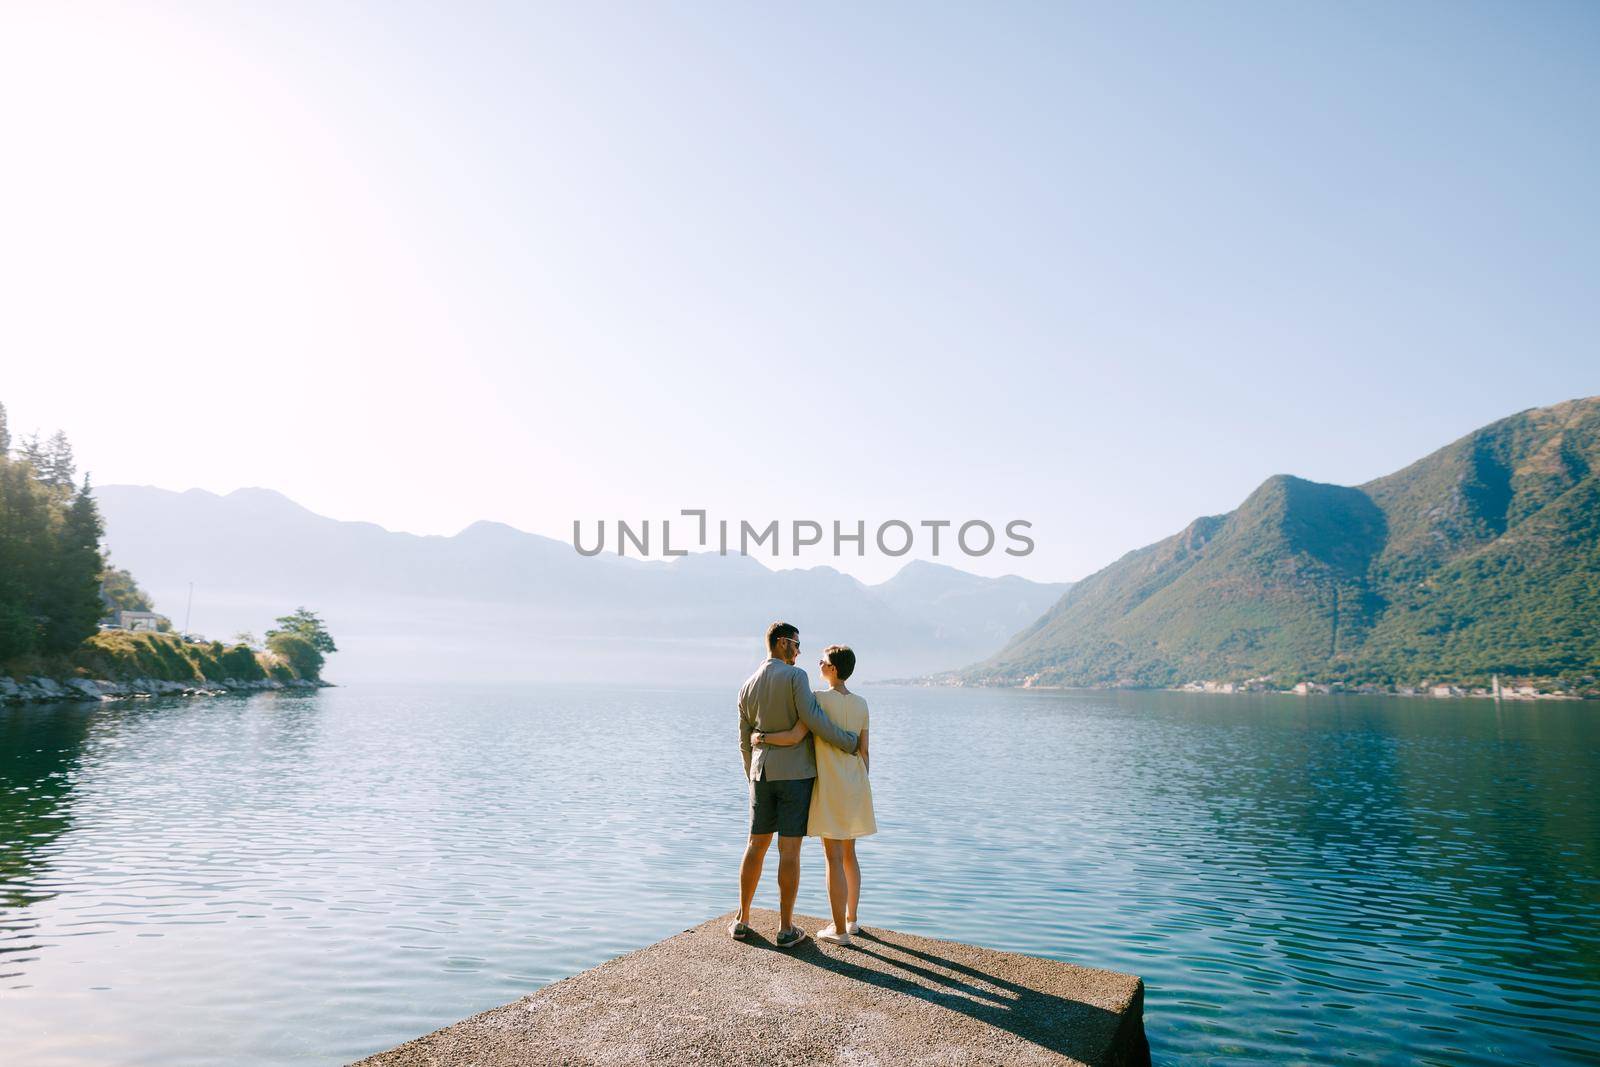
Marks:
<point>124,655</point>
<point>241,663</point>
<point>298,652</point>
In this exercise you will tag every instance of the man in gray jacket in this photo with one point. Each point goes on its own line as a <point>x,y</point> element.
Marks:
<point>781,777</point>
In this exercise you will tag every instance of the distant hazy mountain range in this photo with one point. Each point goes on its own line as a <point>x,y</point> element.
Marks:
<point>496,603</point>
<point>1483,557</point>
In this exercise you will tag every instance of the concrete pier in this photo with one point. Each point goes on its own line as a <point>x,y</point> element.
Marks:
<point>892,998</point>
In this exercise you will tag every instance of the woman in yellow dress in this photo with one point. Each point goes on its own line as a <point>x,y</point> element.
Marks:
<point>841,801</point>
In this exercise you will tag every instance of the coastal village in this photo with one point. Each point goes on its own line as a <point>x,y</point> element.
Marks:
<point>1494,691</point>
<point>1521,689</point>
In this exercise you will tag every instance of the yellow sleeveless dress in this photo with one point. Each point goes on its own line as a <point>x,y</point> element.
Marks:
<point>841,801</point>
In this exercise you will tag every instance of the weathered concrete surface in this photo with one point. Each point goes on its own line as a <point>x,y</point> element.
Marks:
<point>892,998</point>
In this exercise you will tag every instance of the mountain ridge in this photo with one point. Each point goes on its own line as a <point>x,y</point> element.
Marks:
<point>1477,559</point>
<point>492,601</point>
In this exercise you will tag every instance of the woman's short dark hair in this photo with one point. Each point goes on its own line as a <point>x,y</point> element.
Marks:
<point>842,658</point>
<point>779,630</point>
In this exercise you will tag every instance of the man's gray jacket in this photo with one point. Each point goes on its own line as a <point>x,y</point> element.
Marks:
<point>772,700</point>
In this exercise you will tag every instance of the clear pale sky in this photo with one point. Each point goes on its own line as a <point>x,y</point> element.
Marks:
<point>1102,268</point>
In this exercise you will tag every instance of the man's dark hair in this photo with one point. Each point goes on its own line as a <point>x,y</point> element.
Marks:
<point>843,659</point>
<point>780,630</point>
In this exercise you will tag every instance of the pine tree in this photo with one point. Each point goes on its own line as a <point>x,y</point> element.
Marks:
<point>31,452</point>
<point>50,559</point>
<point>60,467</point>
<point>5,433</point>
<point>73,607</point>
<point>26,519</point>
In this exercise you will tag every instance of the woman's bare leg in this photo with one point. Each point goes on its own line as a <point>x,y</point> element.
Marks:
<point>852,878</point>
<point>837,884</point>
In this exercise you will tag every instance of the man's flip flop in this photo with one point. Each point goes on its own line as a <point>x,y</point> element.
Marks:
<point>738,931</point>
<point>791,938</point>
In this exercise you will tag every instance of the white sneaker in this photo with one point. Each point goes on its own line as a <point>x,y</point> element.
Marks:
<point>829,934</point>
<point>852,928</point>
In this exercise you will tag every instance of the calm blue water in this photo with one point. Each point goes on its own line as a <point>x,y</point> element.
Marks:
<point>311,878</point>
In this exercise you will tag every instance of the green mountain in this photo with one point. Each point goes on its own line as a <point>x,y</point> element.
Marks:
<point>1482,558</point>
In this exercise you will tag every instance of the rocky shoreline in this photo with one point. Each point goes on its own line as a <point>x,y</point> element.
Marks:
<point>38,689</point>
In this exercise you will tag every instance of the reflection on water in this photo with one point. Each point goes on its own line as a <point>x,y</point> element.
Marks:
<point>309,878</point>
<point>38,757</point>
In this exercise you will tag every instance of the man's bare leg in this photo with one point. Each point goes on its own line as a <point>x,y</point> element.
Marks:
<point>788,879</point>
<point>755,854</point>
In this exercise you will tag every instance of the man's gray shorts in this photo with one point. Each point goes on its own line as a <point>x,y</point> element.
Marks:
<point>781,807</point>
